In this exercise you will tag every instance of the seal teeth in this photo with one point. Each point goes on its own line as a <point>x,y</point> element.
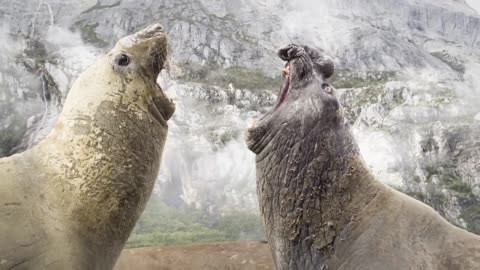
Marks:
<point>286,70</point>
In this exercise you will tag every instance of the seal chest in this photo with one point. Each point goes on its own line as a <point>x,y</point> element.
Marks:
<point>322,208</point>
<point>71,201</point>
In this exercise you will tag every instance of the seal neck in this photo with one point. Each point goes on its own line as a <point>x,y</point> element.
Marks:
<point>340,180</point>
<point>100,175</point>
<point>309,195</point>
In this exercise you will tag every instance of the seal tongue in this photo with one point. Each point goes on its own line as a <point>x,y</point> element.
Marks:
<point>285,86</point>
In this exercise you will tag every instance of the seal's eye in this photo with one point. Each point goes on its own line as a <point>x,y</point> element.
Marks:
<point>123,60</point>
<point>326,87</point>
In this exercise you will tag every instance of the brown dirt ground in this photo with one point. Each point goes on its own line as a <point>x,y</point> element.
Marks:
<point>241,255</point>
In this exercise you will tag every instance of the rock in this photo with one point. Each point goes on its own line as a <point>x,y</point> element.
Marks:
<point>476,191</point>
<point>452,61</point>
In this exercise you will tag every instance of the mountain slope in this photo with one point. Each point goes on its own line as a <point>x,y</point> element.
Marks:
<point>407,72</point>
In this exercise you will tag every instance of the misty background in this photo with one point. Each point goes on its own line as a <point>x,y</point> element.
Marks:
<point>408,73</point>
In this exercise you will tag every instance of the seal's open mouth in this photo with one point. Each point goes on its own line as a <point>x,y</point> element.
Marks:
<point>256,132</point>
<point>282,97</point>
<point>154,109</point>
<point>285,88</point>
<point>162,108</point>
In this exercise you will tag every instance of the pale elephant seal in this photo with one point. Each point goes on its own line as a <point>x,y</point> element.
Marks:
<point>72,201</point>
<point>321,206</point>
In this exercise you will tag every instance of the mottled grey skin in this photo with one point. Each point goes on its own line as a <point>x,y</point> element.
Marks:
<point>322,207</point>
<point>71,201</point>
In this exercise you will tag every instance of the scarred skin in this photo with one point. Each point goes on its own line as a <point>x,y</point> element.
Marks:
<point>322,207</point>
<point>71,201</point>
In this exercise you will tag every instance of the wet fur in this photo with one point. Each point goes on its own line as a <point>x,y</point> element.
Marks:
<point>322,207</point>
<point>71,201</point>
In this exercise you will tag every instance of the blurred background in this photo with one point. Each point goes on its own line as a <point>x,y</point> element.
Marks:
<point>408,72</point>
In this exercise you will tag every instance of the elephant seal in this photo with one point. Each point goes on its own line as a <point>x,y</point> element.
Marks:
<point>71,201</point>
<point>321,206</point>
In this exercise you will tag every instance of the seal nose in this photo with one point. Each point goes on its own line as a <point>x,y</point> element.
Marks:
<point>151,31</point>
<point>290,52</point>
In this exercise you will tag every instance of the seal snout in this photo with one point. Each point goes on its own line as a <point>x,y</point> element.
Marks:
<point>150,31</point>
<point>290,52</point>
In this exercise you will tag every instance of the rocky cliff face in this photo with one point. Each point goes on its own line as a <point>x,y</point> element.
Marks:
<point>407,73</point>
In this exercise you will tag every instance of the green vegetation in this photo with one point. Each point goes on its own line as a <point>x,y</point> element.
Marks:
<point>238,76</point>
<point>450,180</point>
<point>221,138</point>
<point>447,176</point>
<point>183,234</point>
<point>355,99</point>
<point>241,226</point>
<point>438,200</point>
<point>88,34</point>
<point>455,187</point>
<point>417,195</point>
<point>460,187</point>
<point>471,215</point>
<point>346,78</point>
<point>365,88</point>
<point>444,96</point>
<point>13,133</point>
<point>163,225</point>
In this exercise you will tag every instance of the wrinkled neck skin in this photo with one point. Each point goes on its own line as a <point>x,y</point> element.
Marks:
<point>97,167</point>
<point>311,178</point>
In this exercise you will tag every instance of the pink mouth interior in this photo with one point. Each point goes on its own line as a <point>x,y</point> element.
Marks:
<point>285,88</point>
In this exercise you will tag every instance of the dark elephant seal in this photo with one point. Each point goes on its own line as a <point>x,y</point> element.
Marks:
<point>71,201</point>
<point>321,206</point>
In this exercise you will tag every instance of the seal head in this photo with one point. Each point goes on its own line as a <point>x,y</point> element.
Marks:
<point>305,100</point>
<point>126,75</point>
